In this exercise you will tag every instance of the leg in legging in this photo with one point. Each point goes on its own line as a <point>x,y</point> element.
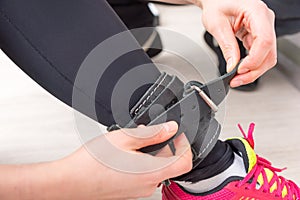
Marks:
<point>49,40</point>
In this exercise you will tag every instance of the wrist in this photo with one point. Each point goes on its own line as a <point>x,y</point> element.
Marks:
<point>31,181</point>
<point>43,181</point>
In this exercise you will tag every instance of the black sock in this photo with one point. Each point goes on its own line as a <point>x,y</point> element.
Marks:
<point>217,161</point>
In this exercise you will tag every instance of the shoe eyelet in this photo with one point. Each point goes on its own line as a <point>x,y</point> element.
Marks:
<point>237,185</point>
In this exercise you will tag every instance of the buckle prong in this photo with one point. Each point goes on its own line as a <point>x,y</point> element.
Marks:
<point>204,96</point>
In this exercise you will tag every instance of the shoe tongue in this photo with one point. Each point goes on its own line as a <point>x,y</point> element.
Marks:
<point>242,147</point>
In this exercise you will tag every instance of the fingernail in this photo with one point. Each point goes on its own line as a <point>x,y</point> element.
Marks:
<point>243,70</point>
<point>171,126</point>
<point>236,83</point>
<point>229,66</point>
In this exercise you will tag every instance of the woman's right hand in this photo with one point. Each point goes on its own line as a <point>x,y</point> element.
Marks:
<point>253,23</point>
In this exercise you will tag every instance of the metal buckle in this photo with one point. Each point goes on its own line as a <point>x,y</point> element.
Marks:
<point>204,96</point>
<point>166,182</point>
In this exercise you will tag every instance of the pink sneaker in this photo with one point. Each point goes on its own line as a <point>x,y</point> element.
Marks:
<point>259,182</point>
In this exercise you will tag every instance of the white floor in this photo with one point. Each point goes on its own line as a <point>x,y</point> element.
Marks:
<point>35,127</point>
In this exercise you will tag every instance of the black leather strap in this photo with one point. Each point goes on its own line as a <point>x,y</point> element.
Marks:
<point>168,100</point>
<point>190,110</point>
<point>218,88</point>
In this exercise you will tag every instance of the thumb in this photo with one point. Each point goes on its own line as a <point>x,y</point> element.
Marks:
<point>228,43</point>
<point>143,136</point>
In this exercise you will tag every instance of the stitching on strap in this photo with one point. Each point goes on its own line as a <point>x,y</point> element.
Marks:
<point>148,97</point>
<point>210,142</point>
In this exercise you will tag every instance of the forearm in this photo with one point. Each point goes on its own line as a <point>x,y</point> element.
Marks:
<point>34,181</point>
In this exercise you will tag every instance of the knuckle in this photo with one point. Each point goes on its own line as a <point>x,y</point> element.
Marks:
<point>188,164</point>
<point>188,167</point>
<point>271,60</point>
<point>274,61</point>
<point>263,6</point>
<point>272,14</point>
<point>269,12</point>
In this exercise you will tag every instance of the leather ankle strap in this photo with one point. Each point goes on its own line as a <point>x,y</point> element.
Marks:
<point>191,106</point>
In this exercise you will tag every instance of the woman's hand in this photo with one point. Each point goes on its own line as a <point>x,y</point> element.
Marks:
<point>95,176</point>
<point>95,172</point>
<point>253,23</point>
<point>249,20</point>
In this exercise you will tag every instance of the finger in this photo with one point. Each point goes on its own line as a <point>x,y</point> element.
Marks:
<point>244,79</point>
<point>182,162</point>
<point>136,138</point>
<point>225,37</point>
<point>258,53</point>
<point>250,76</point>
<point>262,39</point>
<point>266,58</point>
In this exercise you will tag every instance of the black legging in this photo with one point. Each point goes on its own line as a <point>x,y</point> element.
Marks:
<point>50,39</point>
